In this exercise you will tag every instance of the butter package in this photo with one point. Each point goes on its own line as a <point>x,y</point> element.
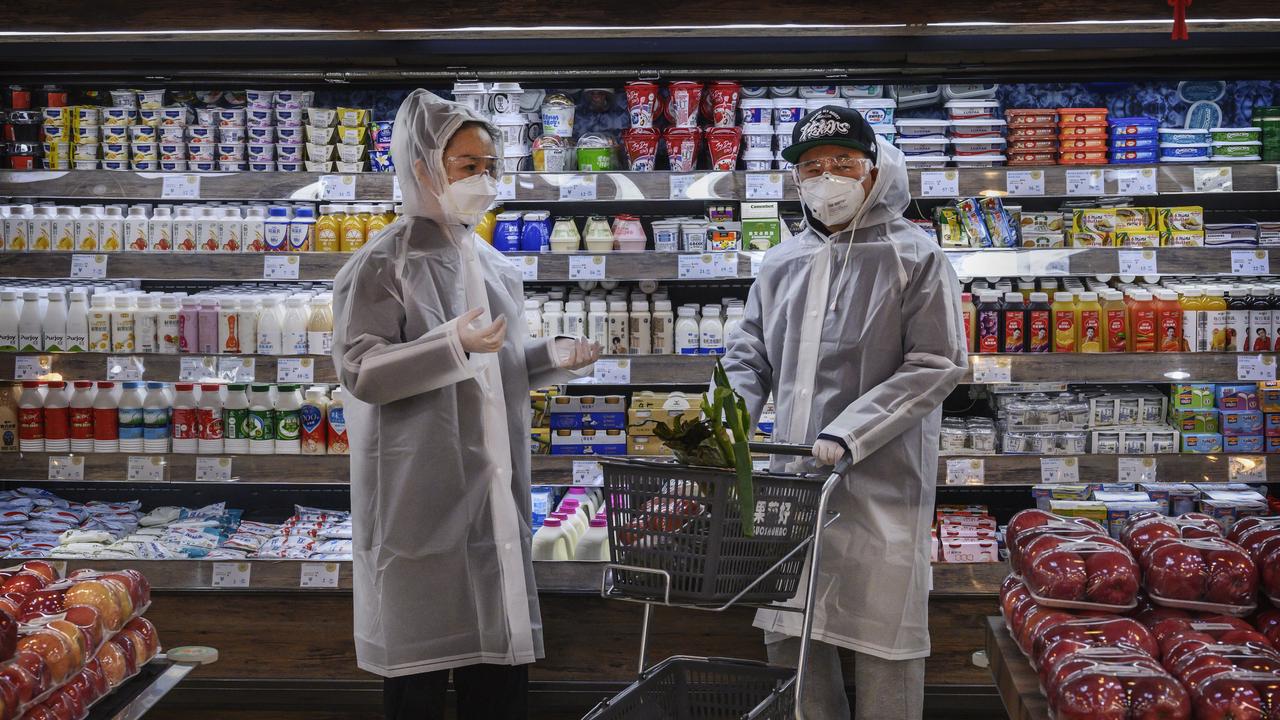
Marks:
<point>1137,238</point>
<point>1093,220</point>
<point>1137,218</point>
<point>1243,443</point>
<point>1241,422</point>
<point>1073,491</point>
<point>1092,510</point>
<point>1241,396</point>
<point>1181,218</point>
<point>1195,421</point>
<point>1041,495</point>
<point>589,412</point>
<point>1228,512</point>
<point>1191,396</point>
<point>1201,443</point>
<point>1269,396</point>
<point>1159,493</point>
<point>1182,238</point>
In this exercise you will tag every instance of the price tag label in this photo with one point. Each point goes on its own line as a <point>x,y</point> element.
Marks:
<point>507,187</point>
<point>1135,469</point>
<point>1137,262</point>
<point>396,195</point>
<point>295,370</point>
<point>319,575</point>
<point>528,267</point>
<point>1250,262</point>
<point>1136,181</point>
<point>586,267</point>
<point>1084,182</point>
<point>195,368</point>
<point>280,267</point>
<point>92,267</point>
<point>337,187</point>
<point>578,187</point>
<point>1247,468</point>
<point>940,183</point>
<point>1255,367</point>
<point>695,267</point>
<point>66,467</point>
<point>236,369</point>
<point>124,367</point>
<point>587,472</point>
<point>1212,179</point>
<point>991,370</point>
<point>757,259</point>
<point>613,371</point>
<point>726,264</point>
<point>146,468</point>
<point>764,186</point>
<point>213,469</point>
<point>1024,182</point>
<point>965,471</point>
<point>231,575</point>
<point>180,187</point>
<point>679,186</point>
<point>1059,470</point>
<point>31,367</point>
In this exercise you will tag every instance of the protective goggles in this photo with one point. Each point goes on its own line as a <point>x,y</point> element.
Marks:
<point>843,165</point>
<point>474,164</point>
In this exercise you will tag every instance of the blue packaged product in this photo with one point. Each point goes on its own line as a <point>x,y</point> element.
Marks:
<point>1183,136</point>
<point>535,232</point>
<point>382,133</point>
<point>1136,142</point>
<point>1236,396</point>
<point>1243,444</point>
<point>1201,443</point>
<point>542,498</point>
<point>999,222</point>
<point>1121,157</point>
<point>1272,444</point>
<point>1182,150</point>
<point>380,161</point>
<point>1241,422</point>
<point>1271,425</point>
<point>1133,126</point>
<point>970,212</point>
<point>506,232</point>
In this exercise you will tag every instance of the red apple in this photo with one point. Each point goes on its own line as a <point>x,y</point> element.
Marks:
<point>1149,614</point>
<point>101,686</point>
<point>100,596</point>
<point>90,623</point>
<point>1268,563</point>
<point>54,647</point>
<point>125,641</point>
<point>46,601</point>
<point>147,632</point>
<point>1226,698</point>
<point>1090,697</point>
<point>82,683</point>
<point>37,668</point>
<point>1031,625</point>
<point>20,680</point>
<point>136,582</point>
<point>1019,547</point>
<point>1175,572</point>
<point>1175,645</point>
<point>1056,573</point>
<point>1195,656</point>
<point>1165,627</point>
<point>23,584</point>
<point>140,652</point>
<point>40,712</point>
<point>1268,623</point>
<point>80,650</point>
<point>1156,697</point>
<point>40,567</point>
<point>1233,579</point>
<point>1140,534</point>
<point>1112,632</point>
<point>112,660</point>
<point>67,704</point>
<point>1054,654</point>
<point>1242,637</point>
<point>1112,577</point>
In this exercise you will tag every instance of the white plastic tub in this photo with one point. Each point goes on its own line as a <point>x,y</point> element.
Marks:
<point>978,128</point>
<point>877,111</point>
<point>970,147</point>
<point>758,137</point>
<point>973,109</point>
<point>922,127</point>
<point>926,162</point>
<point>979,161</point>
<point>916,147</point>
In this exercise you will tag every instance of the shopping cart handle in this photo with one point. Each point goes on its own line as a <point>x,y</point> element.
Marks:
<point>770,448</point>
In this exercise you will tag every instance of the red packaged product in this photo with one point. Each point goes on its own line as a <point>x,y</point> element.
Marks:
<point>641,144</point>
<point>1082,158</point>
<point>1207,574</point>
<point>1034,622</point>
<point>1083,131</point>
<point>1033,158</point>
<point>1018,545</point>
<point>1024,520</point>
<point>720,104</point>
<point>1097,573</point>
<point>683,97</point>
<point>1171,632</point>
<point>1027,117</point>
<point>1032,131</point>
<point>1109,684</point>
<point>1082,116</point>
<point>1033,145</point>
<point>644,104</point>
<point>1083,144</point>
<point>722,145</point>
<point>1243,526</point>
<point>1095,632</point>
<point>682,147</point>
<point>1143,529</point>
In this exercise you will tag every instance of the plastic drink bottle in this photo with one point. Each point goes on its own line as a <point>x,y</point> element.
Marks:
<point>970,321</point>
<point>235,420</point>
<point>189,325</point>
<point>1169,321</point>
<point>1260,319</point>
<point>1013,324</point>
<point>989,322</point>
<point>54,329</point>
<point>598,323</point>
<point>39,227</point>
<point>209,419</point>
<point>106,422</point>
<point>160,231</point>
<point>232,230</point>
<point>276,229</point>
<point>207,326</point>
<point>31,417</point>
<point>247,325</point>
<point>663,328</point>
<point>122,326</point>
<point>1116,316</point>
<point>137,230</point>
<point>550,542</point>
<point>209,230</point>
<point>1192,302</point>
<point>594,545</point>
<point>533,318</point>
<point>641,329</point>
<point>1039,324</point>
<point>81,417</point>
<point>185,419</point>
<point>313,416</point>
<point>64,229</point>
<point>328,230</point>
<point>1238,305</point>
<point>293,333</point>
<point>1216,324</point>
<point>269,331</point>
<point>254,234</point>
<point>378,219</point>
<point>262,421</point>
<point>184,230</point>
<point>146,325</point>
<point>1143,322</point>
<point>155,419</point>
<point>353,230</point>
<point>129,417</point>
<point>1065,322</point>
<point>229,327</point>
<point>57,418</point>
<point>87,228</point>
<point>619,328</point>
<point>552,319</point>
<point>30,323</point>
<point>288,420</point>
<point>168,333</point>
<point>338,444</point>
<point>1090,332</point>
<point>9,319</point>
<point>18,235</point>
<point>711,331</point>
<point>575,319</point>
<point>111,230</point>
<point>302,230</point>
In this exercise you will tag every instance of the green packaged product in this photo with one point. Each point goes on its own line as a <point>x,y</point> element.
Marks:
<point>1237,150</point>
<point>1268,119</point>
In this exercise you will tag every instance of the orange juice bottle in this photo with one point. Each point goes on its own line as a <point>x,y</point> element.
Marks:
<point>1115,316</point>
<point>1066,322</point>
<point>1090,322</point>
<point>377,221</point>
<point>1216,325</point>
<point>1143,320</point>
<point>1192,303</point>
<point>970,327</point>
<point>352,229</point>
<point>328,230</point>
<point>1168,321</point>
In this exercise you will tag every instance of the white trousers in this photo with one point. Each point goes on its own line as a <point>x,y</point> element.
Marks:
<point>885,689</point>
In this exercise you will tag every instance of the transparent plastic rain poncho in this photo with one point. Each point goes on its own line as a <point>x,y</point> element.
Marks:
<point>439,439</point>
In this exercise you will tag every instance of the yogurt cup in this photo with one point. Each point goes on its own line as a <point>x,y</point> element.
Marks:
<point>201,135</point>
<point>381,161</point>
<point>473,95</point>
<point>114,165</point>
<point>90,151</point>
<point>877,111</point>
<point>115,133</point>
<point>86,134</point>
<point>296,167</point>
<point>149,116</point>
<point>263,166</point>
<point>231,134</point>
<point>231,165</point>
<point>782,163</point>
<point>1184,150</point>
<point>150,99</point>
<point>173,165</point>
<point>142,133</point>
<point>979,128</point>
<point>207,116</point>
<point>54,149</point>
<point>787,110</point>
<point>288,118</point>
<point>321,117</point>
<point>972,110</point>
<point>85,164</point>
<point>757,160</point>
<point>56,133</point>
<point>979,161</point>
<point>1180,136</point>
<point>291,135</point>
<point>557,119</point>
<point>511,127</point>
<point>922,127</point>
<point>755,111</point>
<point>641,147</point>
<point>758,137</point>
<point>352,135</point>
<point>230,117</point>
<point>926,162</point>
<point>319,166</point>
<point>151,166</point>
<point>782,91</point>
<point>87,115</point>
<point>1235,135</point>
<point>56,116</point>
<point>260,98</point>
<point>261,134</point>
<point>861,91</point>
<point>318,153</point>
<point>720,103</point>
<point>683,98</point>
<point>144,151</point>
<point>755,91</point>
<point>926,146</point>
<point>125,99</point>
<point>201,153</point>
<point>119,116</point>
<point>319,135</point>
<point>504,98</point>
<point>178,115</point>
<point>292,99</point>
<point>888,132</point>
<point>288,153</point>
<point>682,147</point>
<point>723,144</point>
<point>809,92</point>
<point>344,167</point>
<point>261,152</point>
<point>353,117</point>
<point>644,103</point>
<point>174,133</point>
<point>1236,150</point>
<point>259,117</point>
<point>380,133</point>
<point>783,134</point>
<point>351,153</point>
<point>971,147</point>
<point>231,152</point>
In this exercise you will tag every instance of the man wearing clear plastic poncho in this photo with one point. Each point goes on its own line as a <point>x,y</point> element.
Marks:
<point>429,341</point>
<point>854,326</point>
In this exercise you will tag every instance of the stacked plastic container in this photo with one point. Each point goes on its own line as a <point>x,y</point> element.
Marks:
<point>1242,144</point>
<point>1082,136</point>
<point>1134,140</point>
<point>976,133</point>
<point>1033,136</point>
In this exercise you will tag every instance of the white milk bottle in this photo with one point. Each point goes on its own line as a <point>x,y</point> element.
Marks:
<point>293,334</point>
<point>533,318</point>
<point>209,419</point>
<point>64,228</point>
<point>641,328</point>
<point>687,340</point>
<point>235,420</point>
<point>247,324</point>
<point>575,319</point>
<point>262,421</point>
<point>253,236</point>
<point>232,231</point>
<point>17,229</point>
<point>100,323</point>
<point>619,328</point>
<point>167,325</point>
<point>733,318</point>
<point>663,328</point>
<point>551,542</point>
<point>552,319</point>
<point>54,327</point>
<point>184,236</point>
<point>288,420</point>
<point>9,318</point>
<point>137,230</point>
<point>269,330</point>
<point>711,331</point>
<point>160,230</point>
<point>319,326</point>
<point>146,325</point>
<point>229,327</point>
<point>88,225</point>
<point>337,434</point>
<point>39,226</point>
<point>122,327</point>
<point>315,408</point>
<point>598,323</point>
<point>129,417</point>
<point>594,545</point>
<point>111,229</point>
<point>30,323</point>
<point>77,322</point>
<point>185,421</point>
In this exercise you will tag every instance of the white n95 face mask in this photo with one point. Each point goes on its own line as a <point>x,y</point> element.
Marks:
<point>467,200</point>
<point>833,199</point>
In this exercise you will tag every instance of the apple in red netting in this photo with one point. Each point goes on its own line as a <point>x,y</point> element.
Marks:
<point>1227,697</point>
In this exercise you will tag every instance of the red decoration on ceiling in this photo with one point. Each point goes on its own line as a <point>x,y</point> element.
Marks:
<point>1180,18</point>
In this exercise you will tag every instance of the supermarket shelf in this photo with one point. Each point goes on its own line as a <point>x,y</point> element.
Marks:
<point>1017,682</point>
<point>245,469</point>
<point>133,699</point>
<point>173,266</point>
<point>666,369</point>
<point>1112,367</point>
<point>1170,179</point>
<point>1097,261</point>
<point>161,367</point>
<point>1023,471</point>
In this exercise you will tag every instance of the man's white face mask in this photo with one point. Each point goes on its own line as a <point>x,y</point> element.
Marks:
<point>833,199</point>
<point>467,200</point>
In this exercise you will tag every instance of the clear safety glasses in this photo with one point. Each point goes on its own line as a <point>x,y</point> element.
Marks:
<point>474,164</point>
<point>843,165</point>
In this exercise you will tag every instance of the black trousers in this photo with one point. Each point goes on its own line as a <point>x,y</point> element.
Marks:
<point>485,692</point>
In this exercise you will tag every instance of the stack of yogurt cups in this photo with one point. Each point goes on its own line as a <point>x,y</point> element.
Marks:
<point>273,132</point>
<point>56,129</point>
<point>785,106</point>
<point>140,132</point>
<point>336,139</point>
<point>499,103</point>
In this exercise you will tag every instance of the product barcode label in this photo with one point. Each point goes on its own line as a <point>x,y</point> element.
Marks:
<point>125,367</point>
<point>194,368</point>
<point>1024,182</point>
<point>213,469</point>
<point>1139,181</point>
<point>280,267</point>
<point>764,186</point>
<point>991,370</point>
<point>337,187</point>
<point>679,186</point>
<point>231,575</point>
<point>1135,469</point>
<point>528,266</point>
<point>66,467</point>
<point>319,575</point>
<point>1247,469</point>
<point>146,468</point>
<point>587,472</point>
<point>1137,262</point>
<point>1084,182</point>
<point>613,371</point>
<point>578,187</point>
<point>31,367</point>
<point>295,370</point>
<point>91,267</point>
<point>506,187</point>
<point>1255,367</point>
<point>397,197</point>
<point>1250,262</point>
<point>1212,179</point>
<point>236,369</point>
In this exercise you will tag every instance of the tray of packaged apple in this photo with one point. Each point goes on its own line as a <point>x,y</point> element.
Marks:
<point>1113,682</point>
<point>1228,681</point>
<point>1260,536</point>
<point>66,643</point>
<point>1071,563</point>
<point>1205,574</point>
<point>1027,525</point>
<point>1144,528</point>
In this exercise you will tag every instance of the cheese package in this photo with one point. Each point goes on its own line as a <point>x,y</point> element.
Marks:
<point>1137,218</point>
<point>1182,218</point>
<point>1093,220</point>
<point>1137,238</point>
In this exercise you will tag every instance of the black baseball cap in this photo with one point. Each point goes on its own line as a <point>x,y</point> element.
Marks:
<point>831,125</point>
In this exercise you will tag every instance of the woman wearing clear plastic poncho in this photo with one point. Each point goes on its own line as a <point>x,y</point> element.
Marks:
<point>429,341</point>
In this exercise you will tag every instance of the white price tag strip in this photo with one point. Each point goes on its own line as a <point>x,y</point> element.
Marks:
<point>295,370</point>
<point>1247,468</point>
<point>319,575</point>
<point>679,186</point>
<point>1255,367</point>
<point>941,183</point>
<point>213,469</point>
<point>92,267</point>
<point>280,267</point>
<point>236,369</point>
<point>694,267</point>
<point>764,186</point>
<point>506,187</point>
<point>1137,262</point>
<point>578,187</point>
<point>989,370</point>
<point>125,367</point>
<point>180,187</point>
<point>196,367</point>
<point>726,264</point>
<point>31,367</point>
<point>1212,179</point>
<point>1084,182</point>
<point>396,196</point>
<point>66,467</point>
<point>1137,181</point>
<point>965,471</point>
<point>528,267</point>
<point>586,267</point>
<point>613,371</point>
<point>231,575</point>
<point>757,260</point>
<point>1024,182</point>
<point>1059,470</point>
<point>146,468</point>
<point>1250,262</point>
<point>337,187</point>
<point>1135,469</point>
<point>587,472</point>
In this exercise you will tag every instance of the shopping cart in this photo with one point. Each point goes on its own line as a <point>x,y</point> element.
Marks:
<point>676,539</point>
